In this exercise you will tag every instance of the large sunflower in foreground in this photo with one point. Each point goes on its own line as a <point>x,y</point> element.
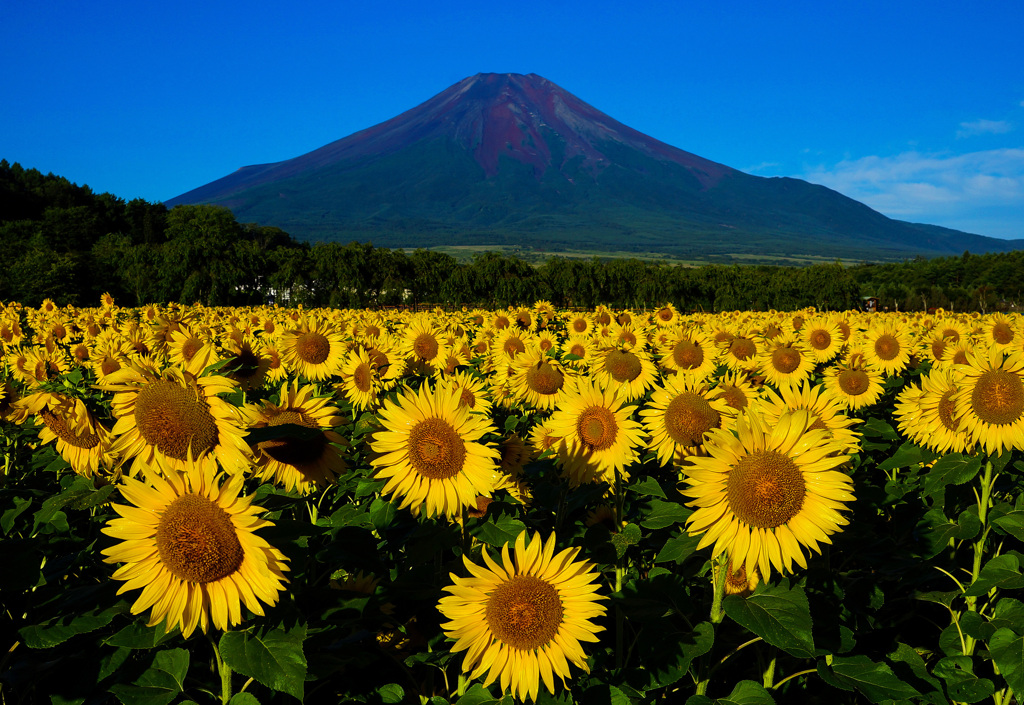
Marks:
<point>990,402</point>
<point>189,544</point>
<point>597,437</point>
<point>521,621</point>
<point>428,451</point>
<point>174,415</point>
<point>763,494</point>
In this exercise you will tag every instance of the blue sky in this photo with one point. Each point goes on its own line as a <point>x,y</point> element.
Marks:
<point>915,108</point>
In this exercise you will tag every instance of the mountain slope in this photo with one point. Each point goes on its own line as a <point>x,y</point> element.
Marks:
<point>513,159</point>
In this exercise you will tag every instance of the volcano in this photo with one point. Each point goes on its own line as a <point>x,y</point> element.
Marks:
<point>515,160</point>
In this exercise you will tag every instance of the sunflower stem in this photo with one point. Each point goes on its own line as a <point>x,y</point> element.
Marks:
<point>619,571</point>
<point>225,672</point>
<point>984,502</point>
<point>719,565</point>
<point>768,678</point>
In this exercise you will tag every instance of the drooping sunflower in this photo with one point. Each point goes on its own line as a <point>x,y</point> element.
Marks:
<point>300,464</point>
<point>188,541</point>
<point>174,415</point>
<point>764,494</point>
<point>597,435</point>
<point>521,621</point>
<point>679,415</point>
<point>81,440</point>
<point>429,452</point>
<point>990,403</point>
<point>314,350</point>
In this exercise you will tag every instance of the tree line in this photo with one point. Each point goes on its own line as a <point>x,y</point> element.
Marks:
<point>63,242</point>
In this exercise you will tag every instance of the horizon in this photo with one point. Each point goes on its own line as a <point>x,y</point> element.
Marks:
<point>913,110</point>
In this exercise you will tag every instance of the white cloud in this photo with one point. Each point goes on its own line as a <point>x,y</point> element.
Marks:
<point>760,167</point>
<point>984,127</point>
<point>979,191</point>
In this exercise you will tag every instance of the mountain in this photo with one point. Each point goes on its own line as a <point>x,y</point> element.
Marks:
<point>510,159</point>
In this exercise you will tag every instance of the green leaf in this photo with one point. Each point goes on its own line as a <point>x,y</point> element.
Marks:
<point>497,531</point>
<point>138,636</point>
<point>1009,613</point>
<point>160,684</point>
<point>511,422</point>
<point>678,548</point>
<point>1001,572</point>
<point>904,659</point>
<point>1012,523</point>
<point>382,513</point>
<point>876,428</point>
<point>961,683</point>
<point>778,614</point>
<point>951,469</point>
<point>662,514</point>
<point>479,695</point>
<point>275,659</point>
<point>875,681</point>
<point>21,504</point>
<point>1007,650</point>
<point>52,632</point>
<point>747,693</point>
<point>907,455</point>
<point>391,693</point>
<point>604,694</point>
<point>648,487</point>
<point>629,536</point>
<point>243,699</point>
<point>936,531</point>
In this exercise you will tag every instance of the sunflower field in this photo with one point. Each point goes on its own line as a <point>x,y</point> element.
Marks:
<point>270,505</point>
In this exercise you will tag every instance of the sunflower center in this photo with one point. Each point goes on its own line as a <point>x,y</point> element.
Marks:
<point>371,331</point>
<point>938,347</point>
<point>818,424</point>
<point>544,379</point>
<point>819,339</point>
<point>597,428</point>
<point>436,451</point>
<point>844,328</point>
<point>173,419</point>
<point>197,541</point>
<point>514,346</point>
<point>688,355</point>
<point>623,366</point>
<point>362,377</point>
<point>190,348</point>
<point>109,366</point>
<point>578,350</point>
<point>60,428</point>
<point>952,333</point>
<point>1002,333</point>
<point>466,397</point>
<point>742,348</point>
<point>524,612</point>
<point>765,489</point>
<point>998,397</point>
<point>733,396</point>
<point>960,357</point>
<point>245,364</point>
<point>854,382</point>
<point>688,417</point>
<point>425,346</point>
<point>665,314</point>
<point>785,360</point>
<point>579,325</point>
<point>946,408</point>
<point>312,347</point>
<point>887,347</point>
<point>294,451</point>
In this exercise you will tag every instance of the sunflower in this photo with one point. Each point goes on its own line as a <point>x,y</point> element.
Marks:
<point>292,463</point>
<point>853,382</point>
<point>189,543</point>
<point>887,347</point>
<point>429,452</point>
<point>174,415</point>
<point>1000,331</point>
<point>245,361</point>
<point>314,350</point>
<point>82,441</point>
<point>691,352</point>
<point>763,494</point>
<point>822,338</point>
<point>628,373</point>
<point>739,352</point>
<point>826,412</point>
<point>937,425</point>
<point>597,437</point>
<point>359,381</point>
<point>736,390</point>
<point>508,344</point>
<point>990,402</point>
<point>666,316</point>
<point>784,361</point>
<point>537,379</point>
<point>185,345</point>
<point>579,346</point>
<point>679,415</point>
<point>471,391</point>
<point>521,621</point>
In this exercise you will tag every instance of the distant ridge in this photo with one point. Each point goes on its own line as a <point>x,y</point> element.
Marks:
<point>511,159</point>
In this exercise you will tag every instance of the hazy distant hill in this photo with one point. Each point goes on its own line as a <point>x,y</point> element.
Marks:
<point>500,159</point>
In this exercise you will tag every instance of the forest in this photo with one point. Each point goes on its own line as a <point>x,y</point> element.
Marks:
<point>61,241</point>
